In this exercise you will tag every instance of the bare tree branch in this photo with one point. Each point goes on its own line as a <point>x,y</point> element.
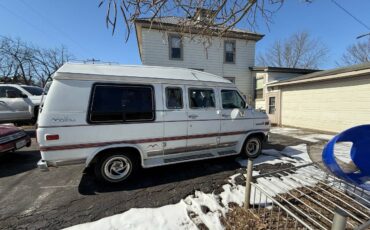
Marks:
<point>298,51</point>
<point>225,14</point>
<point>29,64</point>
<point>356,54</point>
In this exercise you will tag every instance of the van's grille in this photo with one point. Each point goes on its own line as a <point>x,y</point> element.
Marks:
<point>12,137</point>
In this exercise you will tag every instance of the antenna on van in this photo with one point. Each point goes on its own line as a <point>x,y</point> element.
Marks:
<point>93,60</point>
<point>195,76</point>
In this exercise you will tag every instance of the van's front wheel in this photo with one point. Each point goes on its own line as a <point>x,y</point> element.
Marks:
<point>115,167</point>
<point>253,147</point>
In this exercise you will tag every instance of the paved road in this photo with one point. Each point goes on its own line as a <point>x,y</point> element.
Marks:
<point>69,195</point>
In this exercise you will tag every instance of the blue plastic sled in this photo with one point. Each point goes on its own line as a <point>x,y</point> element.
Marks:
<point>360,155</point>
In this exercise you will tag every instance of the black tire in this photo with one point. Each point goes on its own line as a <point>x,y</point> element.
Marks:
<point>252,147</point>
<point>109,167</point>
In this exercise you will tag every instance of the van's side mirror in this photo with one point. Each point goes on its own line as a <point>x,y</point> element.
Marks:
<point>243,104</point>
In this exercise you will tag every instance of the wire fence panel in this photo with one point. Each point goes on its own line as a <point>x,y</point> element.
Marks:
<point>305,197</point>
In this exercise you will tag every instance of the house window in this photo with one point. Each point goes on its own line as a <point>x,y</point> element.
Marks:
<point>174,98</point>
<point>201,98</point>
<point>121,103</point>
<point>272,107</point>
<point>260,83</point>
<point>232,79</point>
<point>229,51</point>
<point>175,46</point>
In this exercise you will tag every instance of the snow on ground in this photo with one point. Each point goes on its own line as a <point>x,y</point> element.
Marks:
<point>341,150</point>
<point>191,211</point>
<point>301,134</point>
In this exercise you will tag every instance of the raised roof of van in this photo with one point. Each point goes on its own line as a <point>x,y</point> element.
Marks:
<point>139,71</point>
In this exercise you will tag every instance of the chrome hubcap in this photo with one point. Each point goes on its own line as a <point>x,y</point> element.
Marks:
<point>252,147</point>
<point>117,168</point>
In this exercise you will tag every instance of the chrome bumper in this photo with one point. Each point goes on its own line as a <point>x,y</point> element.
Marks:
<point>42,165</point>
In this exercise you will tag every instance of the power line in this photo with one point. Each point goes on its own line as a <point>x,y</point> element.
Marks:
<point>56,28</point>
<point>20,17</point>
<point>350,14</point>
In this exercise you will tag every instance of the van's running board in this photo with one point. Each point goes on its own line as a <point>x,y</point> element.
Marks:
<point>185,158</point>
<point>227,152</point>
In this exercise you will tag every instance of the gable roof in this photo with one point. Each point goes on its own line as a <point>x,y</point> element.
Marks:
<point>173,22</point>
<point>116,72</point>
<point>348,71</point>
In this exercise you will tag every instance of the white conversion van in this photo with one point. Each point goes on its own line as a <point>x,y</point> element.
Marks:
<point>121,118</point>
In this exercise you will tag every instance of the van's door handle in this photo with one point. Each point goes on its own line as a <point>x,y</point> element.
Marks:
<point>193,116</point>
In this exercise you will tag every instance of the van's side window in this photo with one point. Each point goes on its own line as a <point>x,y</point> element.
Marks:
<point>174,98</point>
<point>231,99</point>
<point>120,103</point>
<point>201,98</point>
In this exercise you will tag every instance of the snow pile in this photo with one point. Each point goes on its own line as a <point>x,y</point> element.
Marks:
<point>202,208</point>
<point>166,217</point>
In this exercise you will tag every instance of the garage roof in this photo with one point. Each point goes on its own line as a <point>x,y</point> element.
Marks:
<point>349,71</point>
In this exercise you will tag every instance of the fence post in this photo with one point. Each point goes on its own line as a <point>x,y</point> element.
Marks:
<point>339,220</point>
<point>248,184</point>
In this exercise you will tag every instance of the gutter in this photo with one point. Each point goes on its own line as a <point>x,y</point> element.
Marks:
<point>324,78</point>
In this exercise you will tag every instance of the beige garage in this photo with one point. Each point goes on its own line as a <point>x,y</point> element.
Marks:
<point>331,100</point>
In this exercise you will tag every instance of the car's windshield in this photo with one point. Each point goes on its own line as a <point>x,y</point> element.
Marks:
<point>33,90</point>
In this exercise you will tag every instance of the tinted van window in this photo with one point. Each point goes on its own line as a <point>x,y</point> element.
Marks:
<point>201,98</point>
<point>122,103</point>
<point>174,98</point>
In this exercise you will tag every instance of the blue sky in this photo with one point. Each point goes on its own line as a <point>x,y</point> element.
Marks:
<point>80,25</point>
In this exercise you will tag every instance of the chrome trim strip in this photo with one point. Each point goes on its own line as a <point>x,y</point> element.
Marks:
<point>82,125</point>
<point>149,140</point>
<point>190,149</point>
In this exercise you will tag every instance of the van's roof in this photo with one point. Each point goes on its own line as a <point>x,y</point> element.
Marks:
<point>83,71</point>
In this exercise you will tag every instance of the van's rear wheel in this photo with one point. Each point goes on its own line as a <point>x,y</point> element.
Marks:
<point>252,147</point>
<point>116,167</point>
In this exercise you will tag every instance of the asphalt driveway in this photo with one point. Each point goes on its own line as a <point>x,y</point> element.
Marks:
<point>70,195</point>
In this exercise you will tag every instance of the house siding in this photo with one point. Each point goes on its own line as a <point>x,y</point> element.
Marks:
<point>155,51</point>
<point>261,103</point>
<point>331,106</point>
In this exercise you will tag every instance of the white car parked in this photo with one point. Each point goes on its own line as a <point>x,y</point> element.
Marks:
<point>120,118</point>
<point>19,102</point>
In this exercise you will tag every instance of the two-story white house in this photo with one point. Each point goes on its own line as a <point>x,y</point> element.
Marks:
<point>161,43</point>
